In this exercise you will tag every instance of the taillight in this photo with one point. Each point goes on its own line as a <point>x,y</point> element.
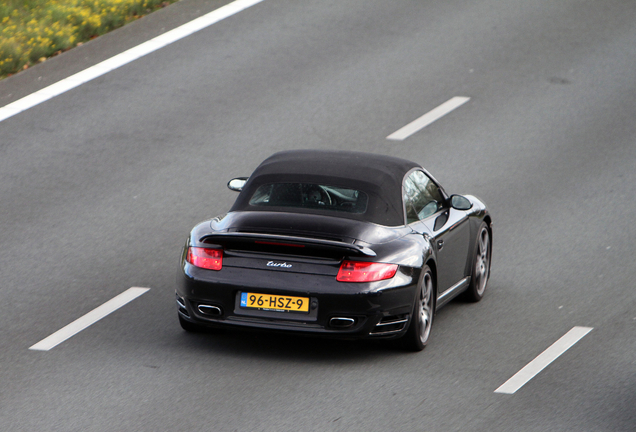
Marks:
<point>211,259</point>
<point>360,271</point>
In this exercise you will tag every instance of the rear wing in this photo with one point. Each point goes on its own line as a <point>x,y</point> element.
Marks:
<point>235,239</point>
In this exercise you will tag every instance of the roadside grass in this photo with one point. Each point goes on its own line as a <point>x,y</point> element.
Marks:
<point>33,30</point>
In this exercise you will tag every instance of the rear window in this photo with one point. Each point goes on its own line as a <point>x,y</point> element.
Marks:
<point>310,195</point>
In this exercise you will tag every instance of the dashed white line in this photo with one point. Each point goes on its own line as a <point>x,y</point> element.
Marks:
<point>123,58</point>
<point>543,360</point>
<point>90,318</point>
<point>428,118</point>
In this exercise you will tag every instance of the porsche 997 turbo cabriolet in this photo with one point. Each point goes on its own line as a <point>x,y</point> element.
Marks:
<point>335,243</point>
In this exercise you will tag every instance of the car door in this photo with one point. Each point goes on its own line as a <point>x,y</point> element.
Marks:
<point>425,204</point>
<point>451,231</point>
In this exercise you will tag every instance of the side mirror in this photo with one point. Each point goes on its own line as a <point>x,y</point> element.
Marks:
<point>459,202</point>
<point>237,184</point>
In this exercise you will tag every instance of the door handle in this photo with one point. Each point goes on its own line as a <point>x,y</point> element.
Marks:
<point>440,244</point>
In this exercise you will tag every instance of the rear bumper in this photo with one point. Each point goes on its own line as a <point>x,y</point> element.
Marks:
<point>340,310</point>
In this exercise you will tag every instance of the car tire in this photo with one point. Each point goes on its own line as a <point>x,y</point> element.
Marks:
<point>188,326</point>
<point>480,270</point>
<point>419,330</point>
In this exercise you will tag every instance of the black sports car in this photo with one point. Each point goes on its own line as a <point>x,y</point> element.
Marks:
<point>335,243</point>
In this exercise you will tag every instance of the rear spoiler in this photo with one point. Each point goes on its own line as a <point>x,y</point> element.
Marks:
<point>284,240</point>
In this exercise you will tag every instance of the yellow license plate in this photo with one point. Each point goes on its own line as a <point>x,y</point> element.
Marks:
<point>274,302</point>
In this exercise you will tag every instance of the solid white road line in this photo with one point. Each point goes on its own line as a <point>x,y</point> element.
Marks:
<point>543,360</point>
<point>90,318</point>
<point>428,118</point>
<point>123,58</point>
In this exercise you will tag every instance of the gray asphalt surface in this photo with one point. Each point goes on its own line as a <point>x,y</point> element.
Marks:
<point>100,186</point>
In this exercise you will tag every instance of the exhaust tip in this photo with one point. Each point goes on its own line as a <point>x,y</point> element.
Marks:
<point>341,322</point>
<point>209,310</point>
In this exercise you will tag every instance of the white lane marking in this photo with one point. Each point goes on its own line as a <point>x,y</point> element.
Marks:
<point>428,118</point>
<point>90,318</point>
<point>543,360</point>
<point>125,57</point>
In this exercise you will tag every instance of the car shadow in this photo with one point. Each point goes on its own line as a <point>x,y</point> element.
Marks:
<point>287,347</point>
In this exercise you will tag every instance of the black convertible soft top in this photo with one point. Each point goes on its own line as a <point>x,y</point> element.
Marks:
<point>380,177</point>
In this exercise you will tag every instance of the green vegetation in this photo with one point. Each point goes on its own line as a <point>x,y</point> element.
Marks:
<point>32,30</point>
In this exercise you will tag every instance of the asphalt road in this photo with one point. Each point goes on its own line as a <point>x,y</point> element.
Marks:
<point>100,186</point>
